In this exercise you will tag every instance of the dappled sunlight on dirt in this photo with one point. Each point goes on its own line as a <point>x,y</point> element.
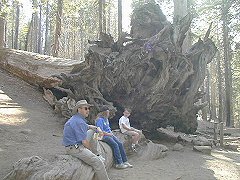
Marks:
<point>224,164</point>
<point>10,112</point>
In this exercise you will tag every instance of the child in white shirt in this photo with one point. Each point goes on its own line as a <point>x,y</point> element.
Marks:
<point>125,127</point>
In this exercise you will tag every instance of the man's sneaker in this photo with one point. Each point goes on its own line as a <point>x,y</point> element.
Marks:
<point>128,164</point>
<point>121,166</point>
<point>101,158</point>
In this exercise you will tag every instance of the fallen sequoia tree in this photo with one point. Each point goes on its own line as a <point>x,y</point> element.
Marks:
<point>147,72</point>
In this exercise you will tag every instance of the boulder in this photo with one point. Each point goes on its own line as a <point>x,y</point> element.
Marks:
<point>203,149</point>
<point>178,147</point>
<point>151,151</point>
<point>201,141</point>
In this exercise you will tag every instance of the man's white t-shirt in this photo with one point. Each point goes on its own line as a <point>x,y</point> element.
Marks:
<point>124,120</point>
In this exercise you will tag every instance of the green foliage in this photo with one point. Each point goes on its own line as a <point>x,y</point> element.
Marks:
<point>4,8</point>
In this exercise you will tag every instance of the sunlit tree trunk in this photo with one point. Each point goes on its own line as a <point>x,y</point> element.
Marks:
<point>227,63</point>
<point>57,29</point>
<point>46,46</point>
<point>108,17</point>
<point>16,25</point>
<point>208,94</point>
<point>28,36</point>
<point>2,32</point>
<point>34,32</point>
<point>12,30</point>
<point>74,41</point>
<point>220,89</point>
<point>204,99</point>
<point>213,90</point>
<point>104,16</point>
<point>100,15</point>
<point>181,9</point>
<point>119,18</point>
<point>39,46</point>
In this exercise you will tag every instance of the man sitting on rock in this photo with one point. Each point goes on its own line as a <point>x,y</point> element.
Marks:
<point>125,127</point>
<point>75,139</point>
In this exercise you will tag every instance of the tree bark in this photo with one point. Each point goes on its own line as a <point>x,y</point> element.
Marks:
<point>57,35</point>
<point>35,28</point>
<point>39,42</point>
<point>46,46</point>
<point>38,70</point>
<point>119,19</point>
<point>100,16</point>
<point>220,90</point>
<point>2,32</point>
<point>213,90</point>
<point>16,26</point>
<point>104,16</point>
<point>181,9</point>
<point>227,64</point>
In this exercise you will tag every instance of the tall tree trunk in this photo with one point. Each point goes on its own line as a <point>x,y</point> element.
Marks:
<point>100,16</point>
<point>39,47</point>
<point>109,17</point>
<point>74,40</point>
<point>119,19</point>
<point>204,99</point>
<point>35,27</point>
<point>181,9</point>
<point>208,94</point>
<point>12,30</point>
<point>104,16</point>
<point>58,28</point>
<point>16,26</point>
<point>46,29</point>
<point>227,64</point>
<point>32,35</point>
<point>213,90</point>
<point>220,90</point>
<point>2,32</point>
<point>28,35</point>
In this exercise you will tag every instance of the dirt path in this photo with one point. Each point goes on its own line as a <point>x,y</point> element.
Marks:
<point>29,127</point>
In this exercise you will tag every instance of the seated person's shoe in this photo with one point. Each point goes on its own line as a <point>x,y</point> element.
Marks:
<point>121,166</point>
<point>128,164</point>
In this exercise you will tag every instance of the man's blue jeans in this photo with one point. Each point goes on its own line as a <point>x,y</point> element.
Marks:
<point>117,147</point>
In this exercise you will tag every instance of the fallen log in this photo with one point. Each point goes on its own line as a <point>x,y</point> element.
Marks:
<point>62,167</point>
<point>203,149</point>
<point>70,168</point>
<point>175,136</point>
<point>34,68</point>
